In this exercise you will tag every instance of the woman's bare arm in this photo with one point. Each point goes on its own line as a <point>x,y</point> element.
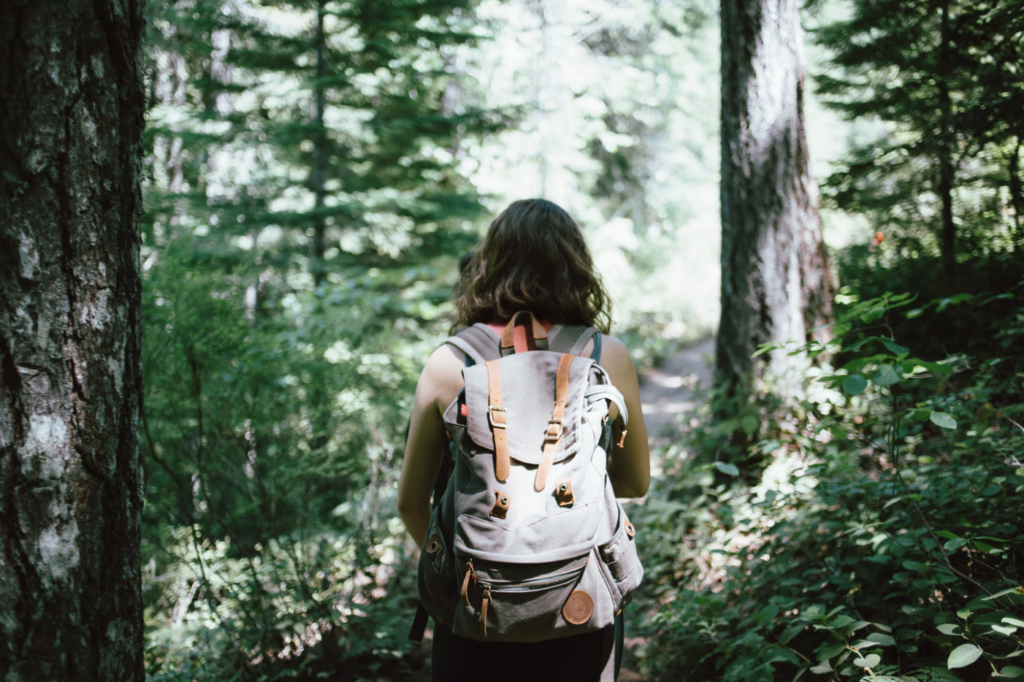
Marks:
<point>630,466</point>
<point>438,385</point>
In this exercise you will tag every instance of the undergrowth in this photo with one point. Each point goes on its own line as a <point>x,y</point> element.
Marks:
<point>871,531</point>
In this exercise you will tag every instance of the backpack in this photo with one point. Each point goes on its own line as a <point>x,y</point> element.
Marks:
<point>528,542</point>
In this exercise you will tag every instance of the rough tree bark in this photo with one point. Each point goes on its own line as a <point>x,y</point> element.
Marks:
<point>775,277</point>
<point>71,119</point>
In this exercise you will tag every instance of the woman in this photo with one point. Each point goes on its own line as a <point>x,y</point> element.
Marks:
<point>533,258</point>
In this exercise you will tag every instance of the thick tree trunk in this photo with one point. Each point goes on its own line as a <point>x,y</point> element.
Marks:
<point>775,277</point>
<point>71,118</point>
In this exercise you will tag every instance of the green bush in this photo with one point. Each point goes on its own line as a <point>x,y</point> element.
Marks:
<point>874,532</point>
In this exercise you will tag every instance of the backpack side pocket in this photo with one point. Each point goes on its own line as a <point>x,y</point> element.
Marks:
<point>621,562</point>
<point>436,574</point>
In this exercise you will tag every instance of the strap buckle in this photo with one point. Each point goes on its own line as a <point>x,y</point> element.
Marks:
<point>553,437</point>
<point>491,409</point>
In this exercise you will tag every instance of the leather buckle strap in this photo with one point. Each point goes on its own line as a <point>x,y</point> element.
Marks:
<point>495,423</point>
<point>547,458</point>
<point>496,417</point>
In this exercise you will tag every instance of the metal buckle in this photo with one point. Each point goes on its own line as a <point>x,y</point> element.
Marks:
<point>491,409</point>
<point>547,431</point>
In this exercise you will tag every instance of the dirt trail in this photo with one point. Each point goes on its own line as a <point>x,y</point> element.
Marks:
<point>669,391</point>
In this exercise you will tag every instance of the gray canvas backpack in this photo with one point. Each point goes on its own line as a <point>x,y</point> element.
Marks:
<point>528,542</point>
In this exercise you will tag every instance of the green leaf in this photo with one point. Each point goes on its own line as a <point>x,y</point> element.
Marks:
<point>767,348</point>
<point>790,633</point>
<point>830,649</point>
<point>1014,621</point>
<point>991,490</point>
<point>854,384</point>
<point>869,661</point>
<point>858,625</point>
<point>841,621</point>
<point>943,420</point>
<point>963,656</point>
<point>1000,594</point>
<point>896,348</point>
<point>1003,630</point>
<point>954,544</point>
<point>749,423</point>
<point>727,469</point>
<point>950,629</point>
<point>1011,671</point>
<point>922,415</point>
<point>822,669</point>
<point>887,376</point>
<point>883,639</point>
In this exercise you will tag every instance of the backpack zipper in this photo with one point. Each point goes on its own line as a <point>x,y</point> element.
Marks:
<point>532,584</point>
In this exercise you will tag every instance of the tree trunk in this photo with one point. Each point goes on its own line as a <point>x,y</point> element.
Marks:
<point>946,139</point>
<point>71,118</point>
<point>318,176</point>
<point>775,279</point>
<point>1016,194</point>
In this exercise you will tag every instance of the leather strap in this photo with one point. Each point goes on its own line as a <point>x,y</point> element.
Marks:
<point>484,600</point>
<point>496,418</point>
<point>554,432</point>
<point>531,336</point>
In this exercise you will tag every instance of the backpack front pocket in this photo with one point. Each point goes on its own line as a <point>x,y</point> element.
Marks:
<point>565,598</point>
<point>436,575</point>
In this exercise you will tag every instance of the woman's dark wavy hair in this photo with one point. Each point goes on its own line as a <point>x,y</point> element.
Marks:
<point>533,258</point>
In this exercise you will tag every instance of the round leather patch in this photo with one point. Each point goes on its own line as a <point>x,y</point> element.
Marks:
<point>578,608</point>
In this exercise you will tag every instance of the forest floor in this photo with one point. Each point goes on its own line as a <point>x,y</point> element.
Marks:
<point>667,392</point>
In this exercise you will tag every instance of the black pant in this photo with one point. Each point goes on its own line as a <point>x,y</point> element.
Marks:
<point>567,659</point>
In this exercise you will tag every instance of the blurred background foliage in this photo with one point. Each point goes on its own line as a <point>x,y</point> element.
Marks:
<point>314,171</point>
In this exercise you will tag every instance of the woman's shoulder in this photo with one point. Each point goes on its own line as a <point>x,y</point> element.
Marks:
<point>612,346</point>
<point>615,357</point>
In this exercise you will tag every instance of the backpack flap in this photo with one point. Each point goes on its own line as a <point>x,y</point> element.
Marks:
<point>528,385</point>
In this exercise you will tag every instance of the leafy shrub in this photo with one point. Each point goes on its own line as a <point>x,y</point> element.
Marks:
<point>876,530</point>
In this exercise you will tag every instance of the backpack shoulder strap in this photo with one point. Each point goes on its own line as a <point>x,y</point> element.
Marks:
<point>479,343</point>
<point>573,338</point>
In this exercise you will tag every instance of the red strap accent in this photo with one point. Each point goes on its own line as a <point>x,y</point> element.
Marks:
<point>515,335</point>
